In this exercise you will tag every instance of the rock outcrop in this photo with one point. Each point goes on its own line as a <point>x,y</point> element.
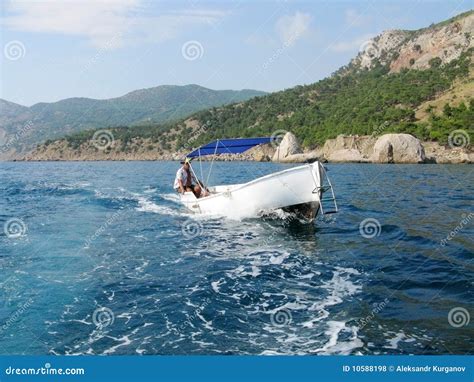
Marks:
<point>308,157</point>
<point>388,148</point>
<point>401,49</point>
<point>351,148</point>
<point>345,155</point>
<point>398,148</point>
<point>261,153</point>
<point>436,153</point>
<point>288,146</point>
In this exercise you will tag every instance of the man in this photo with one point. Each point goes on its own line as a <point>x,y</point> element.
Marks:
<point>184,179</point>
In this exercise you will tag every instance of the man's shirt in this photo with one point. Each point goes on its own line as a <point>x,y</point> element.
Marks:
<point>183,175</point>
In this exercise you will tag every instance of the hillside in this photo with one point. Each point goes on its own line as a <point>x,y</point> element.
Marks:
<point>417,82</point>
<point>154,105</point>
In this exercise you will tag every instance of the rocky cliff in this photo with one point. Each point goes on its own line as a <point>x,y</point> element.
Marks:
<point>420,83</point>
<point>401,49</point>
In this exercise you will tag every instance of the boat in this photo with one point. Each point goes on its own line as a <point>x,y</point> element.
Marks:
<point>298,190</point>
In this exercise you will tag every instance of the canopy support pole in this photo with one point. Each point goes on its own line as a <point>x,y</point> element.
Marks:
<point>212,162</point>
<point>200,163</point>
<point>197,179</point>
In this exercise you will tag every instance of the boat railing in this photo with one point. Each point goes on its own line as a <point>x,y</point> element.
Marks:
<point>322,190</point>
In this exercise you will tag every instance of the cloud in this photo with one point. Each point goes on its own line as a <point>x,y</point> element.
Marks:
<point>292,28</point>
<point>356,19</point>
<point>103,22</point>
<point>351,46</point>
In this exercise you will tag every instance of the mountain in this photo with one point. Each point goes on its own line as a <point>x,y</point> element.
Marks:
<point>154,105</point>
<point>10,110</point>
<point>418,82</point>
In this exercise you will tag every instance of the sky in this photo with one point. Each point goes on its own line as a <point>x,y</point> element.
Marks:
<point>105,48</point>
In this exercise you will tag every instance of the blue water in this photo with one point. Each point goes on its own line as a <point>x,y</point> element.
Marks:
<point>104,260</point>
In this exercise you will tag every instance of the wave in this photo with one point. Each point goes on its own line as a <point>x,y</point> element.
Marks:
<point>147,205</point>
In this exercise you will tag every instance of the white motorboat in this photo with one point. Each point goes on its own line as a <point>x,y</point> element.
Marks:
<point>297,190</point>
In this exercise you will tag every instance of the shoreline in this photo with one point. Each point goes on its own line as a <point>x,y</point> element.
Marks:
<point>396,148</point>
<point>236,160</point>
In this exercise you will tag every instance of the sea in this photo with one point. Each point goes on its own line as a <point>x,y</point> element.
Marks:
<point>101,258</point>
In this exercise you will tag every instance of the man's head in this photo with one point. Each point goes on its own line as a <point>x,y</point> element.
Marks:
<point>186,162</point>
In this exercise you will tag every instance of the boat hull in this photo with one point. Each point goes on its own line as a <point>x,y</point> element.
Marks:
<point>305,211</point>
<point>296,190</point>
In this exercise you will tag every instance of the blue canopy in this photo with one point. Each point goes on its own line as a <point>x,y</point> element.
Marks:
<point>228,146</point>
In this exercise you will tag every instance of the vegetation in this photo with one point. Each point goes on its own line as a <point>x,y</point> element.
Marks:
<point>453,118</point>
<point>351,102</point>
<point>160,104</point>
